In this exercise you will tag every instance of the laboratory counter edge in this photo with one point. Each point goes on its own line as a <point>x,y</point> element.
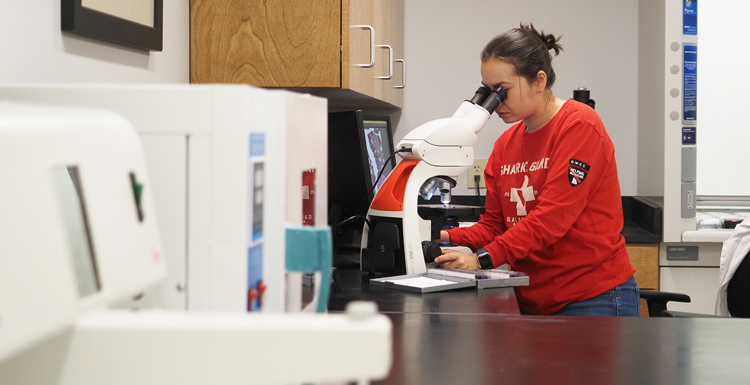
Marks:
<point>471,336</point>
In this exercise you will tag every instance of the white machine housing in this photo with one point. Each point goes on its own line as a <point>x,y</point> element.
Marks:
<point>51,334</point>
<point>38,290</point>
<point>196,140</point>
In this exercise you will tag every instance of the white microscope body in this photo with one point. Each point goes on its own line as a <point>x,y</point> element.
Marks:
<point>434,154</point>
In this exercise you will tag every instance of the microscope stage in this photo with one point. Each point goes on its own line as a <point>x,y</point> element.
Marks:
<point>440,210</point>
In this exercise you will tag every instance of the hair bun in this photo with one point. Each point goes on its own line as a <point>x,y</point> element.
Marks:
<point>550,40</point>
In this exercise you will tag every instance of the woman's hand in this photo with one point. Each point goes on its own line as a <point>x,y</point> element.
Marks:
<point>452,259</point>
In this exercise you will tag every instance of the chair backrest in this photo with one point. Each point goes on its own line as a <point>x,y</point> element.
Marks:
<point>738,290</point>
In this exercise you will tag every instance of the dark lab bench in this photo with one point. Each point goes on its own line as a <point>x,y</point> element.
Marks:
<point>642,217</point>
<point>470,336</point>
<point>350,284</point>
<point>482,349</point>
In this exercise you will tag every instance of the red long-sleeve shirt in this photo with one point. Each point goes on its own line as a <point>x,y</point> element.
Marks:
<point>554,210</point>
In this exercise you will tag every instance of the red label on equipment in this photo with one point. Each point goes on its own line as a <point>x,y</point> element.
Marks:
<point>308,197</point>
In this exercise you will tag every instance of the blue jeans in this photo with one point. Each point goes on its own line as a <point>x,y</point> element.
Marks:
<point>622,301</point>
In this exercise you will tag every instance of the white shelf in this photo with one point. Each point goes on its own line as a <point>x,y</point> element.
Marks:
<point>716,235</point>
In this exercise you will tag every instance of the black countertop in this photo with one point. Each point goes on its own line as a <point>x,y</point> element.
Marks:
<point>482,349</point>
<point>351,284</point>
<point>642,219</point>
<point>636,234</point>
<point>470,336</point>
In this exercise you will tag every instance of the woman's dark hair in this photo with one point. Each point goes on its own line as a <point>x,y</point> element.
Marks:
<point>527,50</point>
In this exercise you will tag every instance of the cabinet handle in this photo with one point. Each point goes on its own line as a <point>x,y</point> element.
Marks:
<point>403,71</point>
<point>372,45</point>
<point>390,60</point>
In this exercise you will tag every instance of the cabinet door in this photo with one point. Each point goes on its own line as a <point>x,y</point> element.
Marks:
<point>268,43</point>
<point>394,86</point>
<point>359,46</point>
<point>383,50</point>
<point>645,258</point>
<point>375,40</point>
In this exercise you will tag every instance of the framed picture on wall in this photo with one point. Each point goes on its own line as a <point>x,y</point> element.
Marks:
<point>135,23</point>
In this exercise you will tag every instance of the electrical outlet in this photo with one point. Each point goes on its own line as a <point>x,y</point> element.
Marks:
<point>687,209</point>
<point>477,169</point>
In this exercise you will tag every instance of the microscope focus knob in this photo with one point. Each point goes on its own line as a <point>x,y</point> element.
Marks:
<point>431,250</point>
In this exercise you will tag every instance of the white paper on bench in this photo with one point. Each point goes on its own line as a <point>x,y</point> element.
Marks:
<point>421,282</point>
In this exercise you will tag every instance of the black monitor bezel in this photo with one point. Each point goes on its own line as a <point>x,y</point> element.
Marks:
<point>349,180</point>
<point>350,185</point>
<point>389,151</point>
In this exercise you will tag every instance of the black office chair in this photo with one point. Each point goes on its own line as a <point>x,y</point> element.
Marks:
<point>656,301</point>
<point>738,297</point>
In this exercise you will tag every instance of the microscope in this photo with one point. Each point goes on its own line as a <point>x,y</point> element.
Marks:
<point>397,238</point>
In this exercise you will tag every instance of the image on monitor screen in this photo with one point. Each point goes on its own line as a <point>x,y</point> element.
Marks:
<point>378,151</point>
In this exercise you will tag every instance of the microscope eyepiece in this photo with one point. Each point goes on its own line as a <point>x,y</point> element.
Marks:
<point>494,99</point>
<point>583,95</point>
<point>480,95</point>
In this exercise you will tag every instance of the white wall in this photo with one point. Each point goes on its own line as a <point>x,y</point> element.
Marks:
<point>722,133</point>
<point>651,103</point>
<point>34,50</point>
<point>443,40</point>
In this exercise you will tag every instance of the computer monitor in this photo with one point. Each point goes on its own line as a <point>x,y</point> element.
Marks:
<point>379,147</point>
<point>359,146</point>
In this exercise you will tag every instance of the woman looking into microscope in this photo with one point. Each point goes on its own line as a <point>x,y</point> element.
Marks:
<point>553,205</point>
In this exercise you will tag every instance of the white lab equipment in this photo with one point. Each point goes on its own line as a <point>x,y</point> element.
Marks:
<point>434,154</point>
<point>209,149</point>
<point>70,236</point>
<point>79,233</point>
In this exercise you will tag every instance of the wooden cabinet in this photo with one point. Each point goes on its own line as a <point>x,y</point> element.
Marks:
<point>341,49</point>
<point>645,258</point>
<point>385,79</point>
